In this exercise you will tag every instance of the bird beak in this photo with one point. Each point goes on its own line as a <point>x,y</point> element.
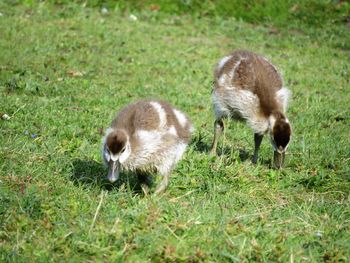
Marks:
<point>113,171</point>
<point>278,158</point>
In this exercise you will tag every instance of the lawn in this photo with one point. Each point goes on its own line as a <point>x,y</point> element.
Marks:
<point>66,70</point>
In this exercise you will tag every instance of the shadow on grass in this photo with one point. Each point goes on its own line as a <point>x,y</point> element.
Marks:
<point>268,162</point>
<point>242,154</point>
<point>201,146</point>
<point>91,173</point>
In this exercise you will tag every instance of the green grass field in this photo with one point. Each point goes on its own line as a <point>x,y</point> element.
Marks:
<point>64,73</point>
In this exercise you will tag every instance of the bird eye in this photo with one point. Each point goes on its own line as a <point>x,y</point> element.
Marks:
<point>123,150</point>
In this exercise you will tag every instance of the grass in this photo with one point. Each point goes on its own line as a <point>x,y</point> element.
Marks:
<point>65,71</point>
<point>317,13</point>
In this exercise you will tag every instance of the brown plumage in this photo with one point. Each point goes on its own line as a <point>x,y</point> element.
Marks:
<point>115,141</point>
<point>281,131</point>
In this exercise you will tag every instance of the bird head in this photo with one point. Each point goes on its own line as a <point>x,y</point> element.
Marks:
<point>280,135</point>
<point>116,151</point>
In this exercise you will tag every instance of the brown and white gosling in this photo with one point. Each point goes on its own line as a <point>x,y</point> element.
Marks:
<point>248,87</point>
<point>146,136</point>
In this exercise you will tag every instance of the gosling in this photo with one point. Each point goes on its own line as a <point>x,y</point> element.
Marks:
<point>146,136</point>
<point>248,87</point>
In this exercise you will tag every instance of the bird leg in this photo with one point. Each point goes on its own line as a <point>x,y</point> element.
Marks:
<point>218,129</point>
<point>257,141</point>
<point>163,184</point>
<point>145,182</point>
